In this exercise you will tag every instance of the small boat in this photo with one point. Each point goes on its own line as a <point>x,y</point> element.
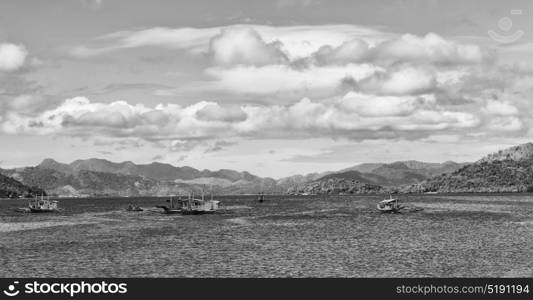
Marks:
<point>390,205</point>
<point>132,207</point>
<point>171,209</point>
<point>261,197</point>
<point>43,205</point>
<point>192,206</point>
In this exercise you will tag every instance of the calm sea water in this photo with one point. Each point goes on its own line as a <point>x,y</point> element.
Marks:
<point>472,235</point>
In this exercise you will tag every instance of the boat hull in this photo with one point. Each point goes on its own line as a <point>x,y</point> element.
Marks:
<point>36,210</point>
<point>389,209</point>
<point>197,212</point>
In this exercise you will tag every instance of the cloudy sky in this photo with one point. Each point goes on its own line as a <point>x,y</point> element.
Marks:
<point>272,87</point>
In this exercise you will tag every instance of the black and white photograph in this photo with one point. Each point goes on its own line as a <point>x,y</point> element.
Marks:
<point>266,139</point>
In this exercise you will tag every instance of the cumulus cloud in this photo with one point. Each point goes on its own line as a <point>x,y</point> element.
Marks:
<point>348,52</point>
<point>406,65</point>
<point>315,61</point>
<point>215,112</point>
<point>26,103</point>
<point>502,108</point>
<point>282,4</point>
<point>429,48</point>
<point>218,146</point>
<point>93,4</point>
<point>377,106</point>
<point>505,124</point>
<point>12,56</point>
<point>243,45</point>
<point>386,88</point>
<point>352,116</point>
<point>296,41</point>
<point>275,79</point>
<point>321,44</point>
<point>400,81</point>
<point>195,40</point>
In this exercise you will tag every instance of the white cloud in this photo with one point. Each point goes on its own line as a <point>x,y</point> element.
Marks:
<point>354,116</point>
<point>215,112</point>
<point>243,45</point>
<point>282,4</point>
<point>505,124</point>
<point>275,79</point>
<point>351,51</point>
<point>429,48</point>
<point>400,81</point>
<point>502,108</point>
<point>379,106</point>
<point>329,43</point>
<point>295,41</point>
<point>12,56</point>
<point>193,39</point>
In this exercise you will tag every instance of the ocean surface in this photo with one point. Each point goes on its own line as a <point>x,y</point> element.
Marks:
<point>285,236</point>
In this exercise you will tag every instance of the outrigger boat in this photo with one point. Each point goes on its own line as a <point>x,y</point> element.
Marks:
<point>42,205</point>
<point>261,197</point>
<point>191,206</point>
<point>172,209</point>
<point>390,205</point>
<point>132,207</point>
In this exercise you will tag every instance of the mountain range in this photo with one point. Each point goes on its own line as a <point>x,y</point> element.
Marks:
<point>387,176</point>
<point>99,177</point>
<point>508,170</point>
<point>12,188</point>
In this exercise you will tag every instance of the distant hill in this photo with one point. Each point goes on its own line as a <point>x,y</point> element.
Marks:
<point>11,188</point>
<point>99,177</point>
<point>398,174</point>
<point>92,183</point>
<point>155,170</point>
<point>517,153</point>
<point>291,181</point>
<point>363,168</point>
<point>508,170</point>
<point>410,170</point>
<point>334,185</point>
<point>368,178</point>
<point>387,176</point>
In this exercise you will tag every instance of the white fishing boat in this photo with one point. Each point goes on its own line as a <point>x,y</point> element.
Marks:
<point>261,197</point>
<point>38,205</point>
<point>134,208</point>
<point>190,206</point>
<point>391,205</point>
<point>172,208</point>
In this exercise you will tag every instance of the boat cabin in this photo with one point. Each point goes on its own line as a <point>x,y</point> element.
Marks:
<point>43,205</point>
<point>389,205</point>
<point>198,206</point>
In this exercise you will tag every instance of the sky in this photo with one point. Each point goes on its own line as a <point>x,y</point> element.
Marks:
<point>276,88</point>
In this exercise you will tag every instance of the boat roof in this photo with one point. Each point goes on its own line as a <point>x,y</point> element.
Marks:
<point>388,200</point>
<point>198,200</point>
